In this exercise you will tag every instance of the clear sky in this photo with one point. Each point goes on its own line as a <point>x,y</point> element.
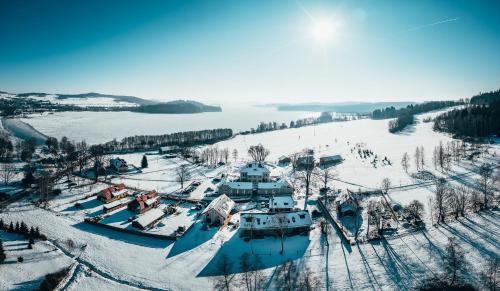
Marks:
<point>258,51</point>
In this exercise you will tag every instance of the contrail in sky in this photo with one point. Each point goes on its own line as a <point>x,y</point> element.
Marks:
<point>428,25</point>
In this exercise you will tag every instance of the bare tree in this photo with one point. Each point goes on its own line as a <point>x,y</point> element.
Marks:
<point>286,276</point>
<point>258,153</point>
<point>97,154</point>
<point>475,201</point>
<point>325,176</point>
<point>417,158</point>
<point>306,172</point>
<point>374,212</point>
<point>405,162</point>
<point>453,203</point>
<point>252,277</point>
<point>463,196</point>
<point>486,172</point>
<point>440,199</point>
<point>280,220</point>
<point>308,281</point>
<point>224,280</point>
<point>386,185</point>
<point>8,172</point>
<point>235,155</point>
<point>415,209</point>
<point>183,174</point>
<point>422,157</point>
<point>454,260</point>
<point>294,159</point>
<point>491,274</point>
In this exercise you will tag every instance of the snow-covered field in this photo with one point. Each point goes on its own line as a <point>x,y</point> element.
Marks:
<point>112,260</point>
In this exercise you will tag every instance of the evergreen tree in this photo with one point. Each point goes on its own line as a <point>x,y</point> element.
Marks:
<point>11,227</point>
<point>18,228</point>
<point>23,229</point>
<point>31,242</point>
<point>144,162</point>
<point>2,225</point>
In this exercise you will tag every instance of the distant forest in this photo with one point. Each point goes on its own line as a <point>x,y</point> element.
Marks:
<point>183,139</point>
<point>478,119</point>
<point>405,116</point>
<point>178,107</point>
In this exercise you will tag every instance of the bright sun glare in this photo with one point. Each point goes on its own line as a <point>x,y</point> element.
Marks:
<point>323,30</point>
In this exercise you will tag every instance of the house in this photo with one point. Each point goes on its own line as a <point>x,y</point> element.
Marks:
<point>255,224</point>
<point>254,172</point>
<point>247,189</point>
<point>236,189</point>
<point>281,204</point>
<point>117,204</point>
<point>330,160</point>
<point>149,219</point>
<point>169,149</point>
<point>119,165</point>
<point>284,160</point>
<point>112,193</point>
<point>305,162</point>
<point>347,205</point>
<point>280,187</point>
<point>144,202</point>
<point>218,210</point>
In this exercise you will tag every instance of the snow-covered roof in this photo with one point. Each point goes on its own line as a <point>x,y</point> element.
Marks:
<point>273,185</point>
<point>254,169</point>
<point>334,158</point>
<point>117,202</point>
<point>285,220</point>
<point>169,148</point>
<point>281,202</point>
<point>222,205</point>
<point>151,201</point>
<point>239,185</point>
<point>118,193</point>
<point>147,218</point>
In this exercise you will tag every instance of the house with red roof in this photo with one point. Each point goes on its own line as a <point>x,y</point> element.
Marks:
<point>144,202</point>
<point>113,193</point>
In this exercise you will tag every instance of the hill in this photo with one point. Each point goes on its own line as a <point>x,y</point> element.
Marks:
<point>178,107</point>
<point>343,107</point>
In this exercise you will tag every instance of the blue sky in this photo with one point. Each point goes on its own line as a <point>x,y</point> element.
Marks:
<point>257,51</point>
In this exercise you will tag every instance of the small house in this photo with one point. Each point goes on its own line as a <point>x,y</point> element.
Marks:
<point>305,162</point>
<point>254,172</point>
<point>281,204</point>
<point>112,193</point>
<point>347,206</point>
<point>236,189</point>
<point>280,187</point>
<point>119,165</point>
<point>330,160</point>
<point>218,210</point>
<point>144,202</point>
<point>284,160</point>
<point>169,149</point>
<point>149,219</point>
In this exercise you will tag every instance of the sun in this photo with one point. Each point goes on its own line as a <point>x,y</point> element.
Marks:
<point>323,30</point>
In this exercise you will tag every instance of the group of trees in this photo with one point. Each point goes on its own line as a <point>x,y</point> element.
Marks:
<point>2,252</point>
<point>419,159</point>
<point>183,139</point>
<point>289,276</point>
<point>212,156</point>
<point>270,126</point>
<point>22,229</point>
<point>404,118</point>
<point>454,269</point>
<point>457,201</point>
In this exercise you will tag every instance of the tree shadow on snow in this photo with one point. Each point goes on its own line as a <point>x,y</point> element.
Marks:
<point>268,249</point>
<point>193,238</point>
<point>124,237</point>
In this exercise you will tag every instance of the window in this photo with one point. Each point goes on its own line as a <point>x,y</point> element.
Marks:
<point>302,216</point>
<point>248,219</point>
<point>258,221</point>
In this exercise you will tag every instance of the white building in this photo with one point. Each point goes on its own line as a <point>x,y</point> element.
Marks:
<point>254,172</point>
<point>218,210</point>
<point>281,203</point>
<point>254,224</point>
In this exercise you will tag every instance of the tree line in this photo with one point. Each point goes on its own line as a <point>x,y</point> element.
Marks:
<point>183,139</point>
<point>406,116</point>
<point>471,121</point>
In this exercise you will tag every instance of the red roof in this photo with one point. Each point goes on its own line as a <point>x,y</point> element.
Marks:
<point>142,198</point>
<point>106,193</point>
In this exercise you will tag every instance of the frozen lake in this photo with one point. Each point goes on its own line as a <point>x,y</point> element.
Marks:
<point>98,127</point>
